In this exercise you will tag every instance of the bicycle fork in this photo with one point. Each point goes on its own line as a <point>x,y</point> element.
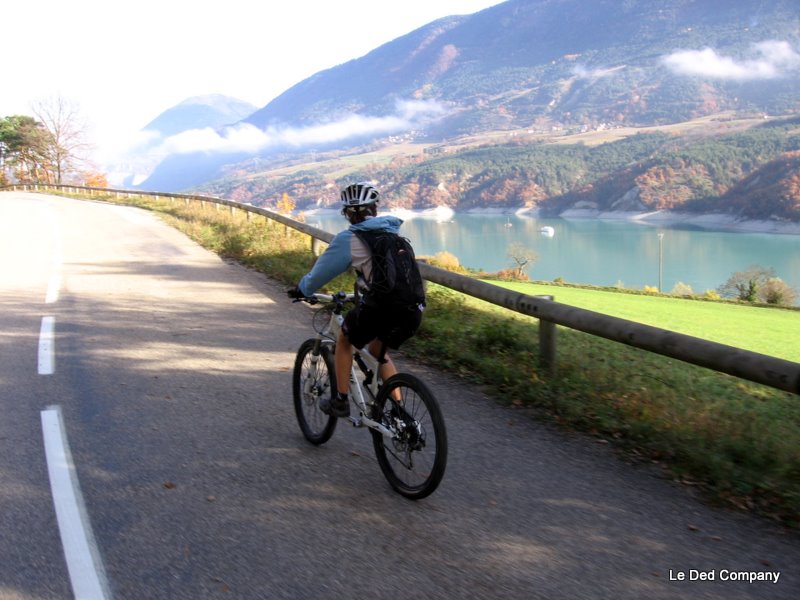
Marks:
<point>311,386</point>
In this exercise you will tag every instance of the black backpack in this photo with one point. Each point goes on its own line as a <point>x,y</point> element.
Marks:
<point>395,281</point>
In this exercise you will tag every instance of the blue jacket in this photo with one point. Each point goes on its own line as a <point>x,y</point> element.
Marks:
<point>339,256</point>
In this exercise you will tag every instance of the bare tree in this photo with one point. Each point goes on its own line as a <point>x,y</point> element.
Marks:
<point>777,291</point>
<point>522,257</point>
<point>67,128</point>
<point>745,285</point>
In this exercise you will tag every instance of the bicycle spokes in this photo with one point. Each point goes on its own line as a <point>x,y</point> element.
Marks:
<point>413,459</point>
<point>313,379</point>
<point>315,385</point>
<point>409,432</point>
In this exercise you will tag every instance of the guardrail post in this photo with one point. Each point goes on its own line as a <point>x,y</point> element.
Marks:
<point>547,343</point>
<point>316,246</point>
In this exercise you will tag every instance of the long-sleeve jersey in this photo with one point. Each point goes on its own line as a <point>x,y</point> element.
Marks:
<point>346,250</point>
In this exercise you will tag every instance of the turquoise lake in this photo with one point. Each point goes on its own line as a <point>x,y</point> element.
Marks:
<point>600,252</point>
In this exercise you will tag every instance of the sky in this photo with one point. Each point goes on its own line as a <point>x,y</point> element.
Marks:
<point>122,63</point>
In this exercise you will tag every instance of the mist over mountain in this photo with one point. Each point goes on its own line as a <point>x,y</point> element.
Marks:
<point>199,112</point>
<point>521,66</point>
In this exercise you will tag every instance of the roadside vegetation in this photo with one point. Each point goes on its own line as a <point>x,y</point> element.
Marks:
<point>737,441</point>
<point>48,147</point>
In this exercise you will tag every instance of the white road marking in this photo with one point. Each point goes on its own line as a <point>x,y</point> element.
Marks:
<point>47,358</point>
<point>85,567</point>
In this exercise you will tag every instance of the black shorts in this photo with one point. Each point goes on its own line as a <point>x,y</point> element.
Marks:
<point>364,323</point>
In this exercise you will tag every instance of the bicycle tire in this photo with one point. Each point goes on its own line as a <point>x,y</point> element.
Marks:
<point>317,426</point>
<point>414,460</point>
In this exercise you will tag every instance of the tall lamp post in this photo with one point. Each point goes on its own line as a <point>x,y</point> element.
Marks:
<point>660,261</point>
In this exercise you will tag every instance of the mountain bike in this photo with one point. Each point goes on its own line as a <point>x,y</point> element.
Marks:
<point>401,413</point>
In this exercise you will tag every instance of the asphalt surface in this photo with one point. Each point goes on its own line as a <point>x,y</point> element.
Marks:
<point>172,374</point>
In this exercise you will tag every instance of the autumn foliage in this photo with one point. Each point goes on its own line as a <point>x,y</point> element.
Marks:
<point>751,172</point>
<point>772,190</point>
<point>95,180</point>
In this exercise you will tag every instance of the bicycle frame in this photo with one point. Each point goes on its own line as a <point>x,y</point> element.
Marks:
<point>362,394</point>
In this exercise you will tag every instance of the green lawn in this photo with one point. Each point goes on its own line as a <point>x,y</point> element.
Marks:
<point>771,331</point>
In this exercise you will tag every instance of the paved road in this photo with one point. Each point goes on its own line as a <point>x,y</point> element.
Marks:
<point>170,374</point>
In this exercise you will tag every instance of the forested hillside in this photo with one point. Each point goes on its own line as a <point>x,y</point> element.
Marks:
<point>753,173</point>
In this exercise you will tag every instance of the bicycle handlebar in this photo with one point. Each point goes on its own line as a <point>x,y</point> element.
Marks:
<point>337,297</point>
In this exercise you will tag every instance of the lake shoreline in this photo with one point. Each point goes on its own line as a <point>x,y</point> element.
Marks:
<point>710,221</point>
<point>657,218</point>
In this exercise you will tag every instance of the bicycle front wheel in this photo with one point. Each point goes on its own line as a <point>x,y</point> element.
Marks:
<point>314,377</point>
<point>414,459</point>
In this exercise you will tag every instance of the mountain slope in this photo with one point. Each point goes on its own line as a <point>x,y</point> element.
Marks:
<point>213,110</point>
<point>568,60</point>
<point>751,174</point>
<point>772,191</point>
<point>747,168</point>
<point>161,170</point>
<point>535,65</point>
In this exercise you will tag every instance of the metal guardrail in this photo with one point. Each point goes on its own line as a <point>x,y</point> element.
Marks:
<point>752,366</point>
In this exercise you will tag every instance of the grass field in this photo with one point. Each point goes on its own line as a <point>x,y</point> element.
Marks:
<point>767,330</point>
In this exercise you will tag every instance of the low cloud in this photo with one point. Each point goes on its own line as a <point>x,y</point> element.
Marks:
<point>770,60</point>
<point>247,138</point>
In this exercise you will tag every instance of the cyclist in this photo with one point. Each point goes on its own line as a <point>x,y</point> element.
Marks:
<point>366,324</point>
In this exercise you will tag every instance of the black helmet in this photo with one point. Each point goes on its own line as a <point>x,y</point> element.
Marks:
<point>359,194</point>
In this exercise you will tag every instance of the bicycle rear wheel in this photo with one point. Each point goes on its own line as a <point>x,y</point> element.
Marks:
<point>414,459</point>
<point>314,377</point>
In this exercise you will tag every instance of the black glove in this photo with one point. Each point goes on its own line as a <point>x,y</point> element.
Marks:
<point>295,293</point>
